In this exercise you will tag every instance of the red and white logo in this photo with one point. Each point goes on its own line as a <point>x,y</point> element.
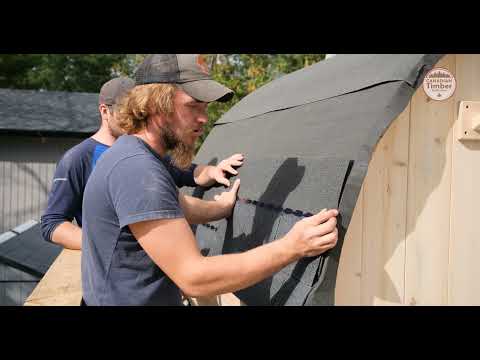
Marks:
<point>439,84</point>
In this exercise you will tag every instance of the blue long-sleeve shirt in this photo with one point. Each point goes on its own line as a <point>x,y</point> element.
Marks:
<point>70,178</point>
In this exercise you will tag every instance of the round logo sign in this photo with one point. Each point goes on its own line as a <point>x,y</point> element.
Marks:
<point>439,84</point>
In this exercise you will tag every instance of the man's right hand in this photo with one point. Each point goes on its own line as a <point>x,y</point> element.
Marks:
<point>314,235</point>
<point>228,198</point>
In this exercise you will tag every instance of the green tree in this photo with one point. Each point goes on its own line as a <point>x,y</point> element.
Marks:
<point>61,72</point>
<point>14,70</point>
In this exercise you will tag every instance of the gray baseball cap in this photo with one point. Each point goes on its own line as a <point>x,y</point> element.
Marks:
<point>114,89</point>
<point>187,71</point>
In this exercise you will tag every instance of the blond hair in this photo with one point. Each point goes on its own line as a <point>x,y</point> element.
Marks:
<point>142,102</point>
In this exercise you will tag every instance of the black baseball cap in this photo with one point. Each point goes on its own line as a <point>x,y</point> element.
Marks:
<point>114,89</point>
<point>187,71</point>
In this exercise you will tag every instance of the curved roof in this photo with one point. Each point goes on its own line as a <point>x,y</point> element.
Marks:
<point>307,138</point>
<point>327,79</point>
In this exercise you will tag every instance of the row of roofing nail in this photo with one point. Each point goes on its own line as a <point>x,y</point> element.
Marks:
<point>273,207</point>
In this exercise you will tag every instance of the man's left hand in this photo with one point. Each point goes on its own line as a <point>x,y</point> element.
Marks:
<point>218,173</point>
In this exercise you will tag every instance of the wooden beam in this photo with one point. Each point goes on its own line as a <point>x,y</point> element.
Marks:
<point>428,203</point>
<point>384,214</point>
<point>348,284</point>
<point>464,265</point>
<point>61,285</point>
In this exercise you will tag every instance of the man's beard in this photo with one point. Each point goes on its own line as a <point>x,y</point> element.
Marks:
<point>182,154</point>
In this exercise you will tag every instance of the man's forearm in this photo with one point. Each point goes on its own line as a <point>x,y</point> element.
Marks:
<point>228,273</point>
<point>178,255</point>
<point>198,211</point>
<point>68,235</point>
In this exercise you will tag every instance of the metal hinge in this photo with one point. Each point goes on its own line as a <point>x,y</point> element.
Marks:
<point>469,120</point>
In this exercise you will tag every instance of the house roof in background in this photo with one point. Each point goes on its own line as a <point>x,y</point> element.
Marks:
<point>48,112</point>
<point>25,249</point>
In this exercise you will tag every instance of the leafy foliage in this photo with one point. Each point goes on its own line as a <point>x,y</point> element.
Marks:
<point>62,72</point>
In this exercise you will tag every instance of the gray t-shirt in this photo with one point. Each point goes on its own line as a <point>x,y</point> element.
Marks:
<point>129,184</point>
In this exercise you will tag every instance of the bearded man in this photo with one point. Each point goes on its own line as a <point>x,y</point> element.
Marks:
<point>74,168</point>
<point>138,246</point>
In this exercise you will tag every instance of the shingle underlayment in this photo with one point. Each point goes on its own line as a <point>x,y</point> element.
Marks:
<point>307,138</point>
